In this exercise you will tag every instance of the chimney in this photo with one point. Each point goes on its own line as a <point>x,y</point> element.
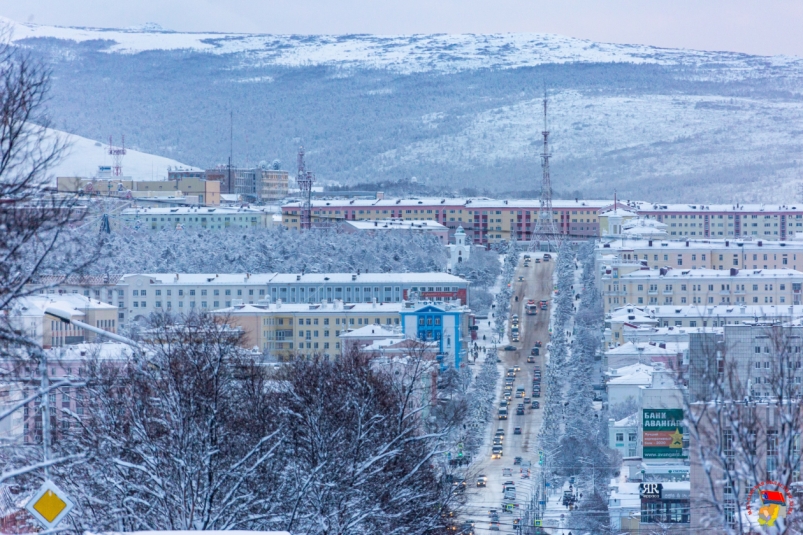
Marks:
<point>353,277</point>
<point>374,302</point>
<point>760,243</point>
<point>650,243</point>
<point>687,243</point>
<point>278,303</point>
<point>727,243</point>
<point>734,272</point>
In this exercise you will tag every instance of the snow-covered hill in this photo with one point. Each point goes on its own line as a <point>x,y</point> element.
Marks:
<point>461,113</point>
<point>401,53</point>
<point>85,155</point>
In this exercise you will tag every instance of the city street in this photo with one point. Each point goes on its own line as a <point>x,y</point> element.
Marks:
<point>536,284</point>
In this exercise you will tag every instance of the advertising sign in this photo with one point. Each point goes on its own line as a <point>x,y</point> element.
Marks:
<point>663,433</point>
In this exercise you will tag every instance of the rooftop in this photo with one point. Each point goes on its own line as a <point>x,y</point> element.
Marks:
<point>669,273</point>
<point>468,203</point>
<point>395,224</point>
<point>303,278</point>
<point>299,308</point>
<point>183,210</point>
<point>708,244</point>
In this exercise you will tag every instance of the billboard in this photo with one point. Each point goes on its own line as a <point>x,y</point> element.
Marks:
<point>662,433</point>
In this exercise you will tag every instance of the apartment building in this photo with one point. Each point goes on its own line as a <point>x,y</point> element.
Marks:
<point>703,254</point>
<point>374,226</point>
<point>40,317</point>
<point>181,218</point>
<point>622,285</point>
<point>187,182</point>
<point>485,221</point>
<point>621,321</point>
<point>694,221</point>
<point>286,330</point>
<point>254,184</point>
<point>183,293</point>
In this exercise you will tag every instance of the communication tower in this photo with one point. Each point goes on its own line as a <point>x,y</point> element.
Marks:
<point>117,154</point>
<point>305,179</point>
<point>545,234</point>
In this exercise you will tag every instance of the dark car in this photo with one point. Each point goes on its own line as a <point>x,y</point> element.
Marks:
<point>510,348</point>
<point>536,405</point>
<point>536,393</point>
<point>517,460</point>
<point>517,430</point>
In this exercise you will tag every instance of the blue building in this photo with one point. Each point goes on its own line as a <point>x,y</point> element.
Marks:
<point>446,324</point>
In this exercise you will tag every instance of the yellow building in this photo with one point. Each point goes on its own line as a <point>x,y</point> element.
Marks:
<point>287,330</point>
<point>207,191</point>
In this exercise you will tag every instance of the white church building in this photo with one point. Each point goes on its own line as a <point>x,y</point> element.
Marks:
<point>459,251</point>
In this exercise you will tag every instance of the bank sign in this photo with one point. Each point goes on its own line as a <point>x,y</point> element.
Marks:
<point>663,433</point>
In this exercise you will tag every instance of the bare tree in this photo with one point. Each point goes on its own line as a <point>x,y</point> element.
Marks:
<point>744,415</point>
<point>358,457</point>
<point>180,440</point>
<point>33,228</point>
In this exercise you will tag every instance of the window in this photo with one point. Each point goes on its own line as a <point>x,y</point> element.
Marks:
<point>620,437</point>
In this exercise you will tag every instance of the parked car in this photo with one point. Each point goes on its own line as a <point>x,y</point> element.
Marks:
<point>510,348</point>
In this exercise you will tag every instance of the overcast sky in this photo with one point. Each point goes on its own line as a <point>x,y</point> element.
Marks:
<point>753,26</point>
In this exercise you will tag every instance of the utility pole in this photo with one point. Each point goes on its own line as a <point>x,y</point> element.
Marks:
<point>45,383</point>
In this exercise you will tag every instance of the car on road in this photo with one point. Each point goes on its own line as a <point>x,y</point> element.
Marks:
<point>517,430</point>
<point>526,257</point>
<point>508,394</point>
<point>509,348</point>
<point>500,433</point>
<point>508,388</point>
<point>547,257</point>
<point>482,481</point>
<point>517,460</point>
<point>538,342</point>
<point>509,485</point>
<point>511,372</point>
<point>493,514</point>
<point>507,472</point>
<point>520,411</point>
<point>537,260</point>
<point>497,441</point>
<point>496,452</point>
<point>503,404</point>
<point>535,351</point>
<point>493,526</point>
<point>536,394</point>
<point>530,359</point>
<point>516,368</point>
<point>536,405</point>
<point>521,279</point>
<point>515,338</point>
<point>527,401</point>
<point>467,528</point>
<point>503,414</point>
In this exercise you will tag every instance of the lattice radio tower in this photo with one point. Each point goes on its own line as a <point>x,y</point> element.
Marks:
<point>545,233</point>
<point>117,154</point>
<point>305,179</point>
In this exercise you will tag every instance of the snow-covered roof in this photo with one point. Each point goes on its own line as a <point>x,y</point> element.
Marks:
<point>83,351</point>
<point>369,332</point>
<point>644,231</point>
<point>72,305</point>
<point>648,349</point>
<point>660,208</point>
<point>630,369</point>
<point>735,246</point>
<point>306,278</point>
<point>189,210</point>
<point>628,421</point>
<point>637,378</point>
<point>618,212</point>
<point>323,308</point>
<point>466,203</point>
<point>395,224</point>
<point>723,311</point>
<point>689,274</point>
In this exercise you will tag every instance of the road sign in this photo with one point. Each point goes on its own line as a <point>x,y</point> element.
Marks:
<point>546,484</point>
<point>537,522</point>
<point>49,505</point>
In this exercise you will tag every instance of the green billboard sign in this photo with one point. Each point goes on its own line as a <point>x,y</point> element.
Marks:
<point>662,433</point>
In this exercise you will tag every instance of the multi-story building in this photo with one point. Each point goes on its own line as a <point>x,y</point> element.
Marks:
<point>194,217</point>
<point>286,330</point>
<point>40,318</point>
<point>485,221</point>
<point>254,184</point>
<point>442,323</point>
<point>623,320</point>
<point>183,293</point>
<point>703,254</point>
<point>627,284</point>
<point>187,182</point>
<point>775,222</point>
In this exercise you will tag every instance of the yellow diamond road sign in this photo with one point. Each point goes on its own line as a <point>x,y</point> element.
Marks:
<point>49,505</point>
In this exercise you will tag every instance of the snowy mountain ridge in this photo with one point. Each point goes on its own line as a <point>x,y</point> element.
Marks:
<point>399,53</point>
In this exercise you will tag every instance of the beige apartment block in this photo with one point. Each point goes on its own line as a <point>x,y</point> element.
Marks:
<point>704,254</point>
<point>288,330</point>
<point>621,285</point>
<point>207,191</point>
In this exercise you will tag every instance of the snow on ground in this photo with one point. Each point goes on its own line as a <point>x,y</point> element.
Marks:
<point>410,53</point>
<point>85,155</point>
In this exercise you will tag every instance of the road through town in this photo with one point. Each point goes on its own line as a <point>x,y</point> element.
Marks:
<point>533,282</point>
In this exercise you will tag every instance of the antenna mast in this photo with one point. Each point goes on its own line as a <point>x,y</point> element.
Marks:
<point>305,179</point>
<point>117,154</point>
<point>545,234</point>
